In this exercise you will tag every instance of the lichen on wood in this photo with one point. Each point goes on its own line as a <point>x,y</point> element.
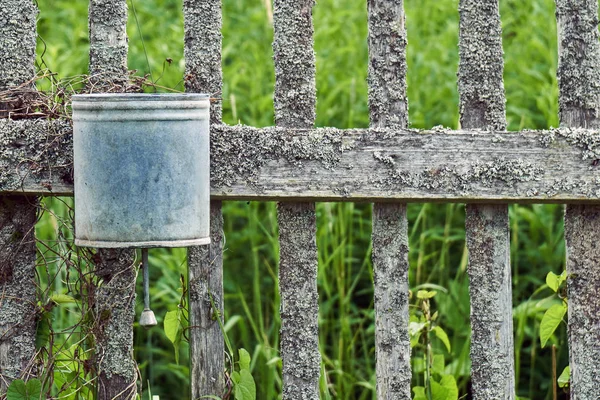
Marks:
<point>17,288</point>
<point>205,264</point>
<point>202,51</point>
<point>299,300</point>
<point>388,108</point>
<point>554,166</point>
<point>115,296</point>
<point>113,329</point>
<point>390,268</point>
<point>482,106</point>
<point>579,107</point>
<point>295,107</point>
<point>579,55</point>
<point>108,44</point>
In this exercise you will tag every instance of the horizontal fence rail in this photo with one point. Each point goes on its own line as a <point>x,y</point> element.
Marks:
<point>552,166</point>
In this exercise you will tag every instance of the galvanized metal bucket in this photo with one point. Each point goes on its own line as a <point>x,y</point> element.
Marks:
<point>141,166</point>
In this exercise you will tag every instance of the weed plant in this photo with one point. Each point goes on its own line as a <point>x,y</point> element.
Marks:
<point>438,256</point>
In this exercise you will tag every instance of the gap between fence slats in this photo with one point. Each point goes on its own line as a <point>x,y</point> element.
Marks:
<point>579,104</point>
<point>295,100</point>
<point>202,51</point>
<point>482,105</point>
<point>17,213</point>
<point>388,107</point>
<point>115,297</point>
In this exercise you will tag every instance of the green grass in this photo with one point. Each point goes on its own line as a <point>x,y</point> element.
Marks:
<point>345,281</point>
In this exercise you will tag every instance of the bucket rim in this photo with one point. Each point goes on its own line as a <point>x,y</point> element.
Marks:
<point>140,97</point>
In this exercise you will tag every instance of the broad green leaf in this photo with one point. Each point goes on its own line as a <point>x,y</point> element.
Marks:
<point>235,377</point>
<point>419,393</point>
<point>441,334</point>
<point>449,383</point>
<point>438,363</point>
<point>439,392</point>
<point>62,299</point>
<point>244,359</point>
<point>19,390</point>
<point>426,294</point>
<point>245,388</point>
<point>550,321</point>
<point>563,379</point>
<point>173,330</point>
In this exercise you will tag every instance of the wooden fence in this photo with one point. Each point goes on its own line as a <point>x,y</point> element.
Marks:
<point>293,163</point>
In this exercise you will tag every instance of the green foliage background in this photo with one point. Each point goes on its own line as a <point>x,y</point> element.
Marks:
<point>438,254</point>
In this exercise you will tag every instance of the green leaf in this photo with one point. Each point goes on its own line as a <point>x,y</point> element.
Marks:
<point>563,379</point>
<point>550,321</point>
<point>419,393</point>
<point>438,392</point>
<point>449,383</point>
<point>438,363</point>
<point>426,294</point>
<point>245,388</point>
<point>62,299</point>
<point>19,390</point>
<point>244,359</point>
<point>174,330</point>
<point>554,281</point>
<point>441,334</point>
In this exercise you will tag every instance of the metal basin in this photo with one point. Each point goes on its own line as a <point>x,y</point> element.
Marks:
<point>141,166</point>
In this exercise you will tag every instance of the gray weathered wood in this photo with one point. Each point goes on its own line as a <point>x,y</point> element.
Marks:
<point>579,101</point>
<point>482,105</point>
<point>115,296</point>
<point>202,50</point>
<point>390,267</point>
<point>17,213</point>
<point>295,100</point>
<point>17,288</point>
<point>207,355</point>
<point>393,165</point>
<point>115,313</point>
<point>108,45</point>
<point>388,107</point>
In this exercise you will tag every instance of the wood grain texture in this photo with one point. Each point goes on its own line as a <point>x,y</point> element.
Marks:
<point>115,296</point>
<point>202,51</point>
<point>579,101</point>
<point>205,269</point>
<point>17,289</point>
<point>388,108</point>
<point>295,101</point>
<point>482,105</point>
<point>394,165</point>
<point>17,213</point>
<point>390,268</point>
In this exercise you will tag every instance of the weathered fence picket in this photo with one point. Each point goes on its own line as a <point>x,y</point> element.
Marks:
<point>388,107</point>
<point>298,164</point>
<point>115,296</point>
<point>295,101</point>
<point>482,106</point>
<point>579,106</point>
<point>17,212</point>
<point>202,51</point>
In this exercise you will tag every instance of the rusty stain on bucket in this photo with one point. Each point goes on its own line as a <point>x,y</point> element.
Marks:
<point>141,166</point>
